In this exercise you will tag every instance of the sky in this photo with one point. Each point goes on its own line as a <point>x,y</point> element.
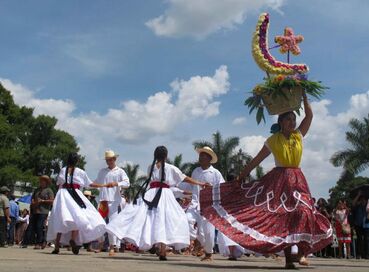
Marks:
<point>132,75</point>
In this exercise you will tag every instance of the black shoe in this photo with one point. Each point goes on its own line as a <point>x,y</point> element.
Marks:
<point>232,259</point>
<point>75,248</point>
<point>163,258</point>
<point>55,251</point>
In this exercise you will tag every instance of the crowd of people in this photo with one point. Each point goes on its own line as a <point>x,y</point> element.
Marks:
<point>172,212</point>
<point>351,224</point>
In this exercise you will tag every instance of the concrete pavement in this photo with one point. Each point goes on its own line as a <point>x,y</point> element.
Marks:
<point>15,259</point>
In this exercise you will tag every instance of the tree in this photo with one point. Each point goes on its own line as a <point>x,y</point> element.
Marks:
<point>186,167</point>
<point>341,191</point>
<point>356,158</point>
<point>30,145</point>
<point>134,180</point>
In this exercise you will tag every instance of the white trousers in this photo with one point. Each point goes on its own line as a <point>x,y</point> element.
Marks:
<point>201,229</point>
<point>113,212</point>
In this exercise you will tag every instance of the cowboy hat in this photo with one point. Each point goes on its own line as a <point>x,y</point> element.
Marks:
<point>110,154</point>
<point>46,178</point>
<point>4,189</point>
<point>209,151</point>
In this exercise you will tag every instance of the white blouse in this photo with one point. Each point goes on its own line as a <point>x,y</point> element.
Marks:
<point>173,175</point>
<point>79,177</point>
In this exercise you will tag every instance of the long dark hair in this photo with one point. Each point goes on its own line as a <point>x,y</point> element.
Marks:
<point>72,161</point>
<point>160,155</point>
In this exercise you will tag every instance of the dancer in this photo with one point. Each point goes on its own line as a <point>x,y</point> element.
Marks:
<point>157,218</point>
<point>111,197</point>
<point>205,231</point>
<point>275,212</point>
<point>73,218</point>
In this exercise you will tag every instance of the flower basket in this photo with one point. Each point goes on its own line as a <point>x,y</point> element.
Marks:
<point>288,100</point>
<point>280,94</point>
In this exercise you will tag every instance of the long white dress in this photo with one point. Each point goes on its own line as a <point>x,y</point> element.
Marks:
<point>66,215</point>
<point>165,224</point>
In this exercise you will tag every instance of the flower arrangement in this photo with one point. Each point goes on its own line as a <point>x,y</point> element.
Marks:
<point>285,83</point>
<point>284,91</point>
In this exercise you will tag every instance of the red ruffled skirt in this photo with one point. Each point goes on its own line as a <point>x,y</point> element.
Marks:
<point>268,215</point>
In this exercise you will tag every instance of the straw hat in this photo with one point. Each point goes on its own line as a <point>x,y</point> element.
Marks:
<point>45,178</point>
<point>110,154</point>
<point>4,189</point>
<point>210,152</point>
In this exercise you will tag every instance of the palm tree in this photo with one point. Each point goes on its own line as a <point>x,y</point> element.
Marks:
<point>356,158</point>
<point>224,148</point>
<point>134,180</point>
<point>186,167</point>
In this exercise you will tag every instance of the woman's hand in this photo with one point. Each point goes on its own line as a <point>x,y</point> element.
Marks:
<point>112,184</point>
<point>204,185</point>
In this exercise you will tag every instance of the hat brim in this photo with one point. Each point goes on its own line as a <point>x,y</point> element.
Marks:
<point>214,157</point>
<point>47,179</point>
<point>111,157</point>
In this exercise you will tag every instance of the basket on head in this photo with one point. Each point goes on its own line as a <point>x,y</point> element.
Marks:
<point>290,101</point>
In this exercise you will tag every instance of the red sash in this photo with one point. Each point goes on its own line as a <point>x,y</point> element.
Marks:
<point>158,184</point>
<point>71,186</point>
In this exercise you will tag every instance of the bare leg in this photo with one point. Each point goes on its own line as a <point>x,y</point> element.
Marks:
<point>348,251</point>
<point>57,244</point>
<point>163,252</point>
<point>72,242</point>
<point>340,249</point>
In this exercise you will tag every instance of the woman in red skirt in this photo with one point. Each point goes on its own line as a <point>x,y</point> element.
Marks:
<point>343,229</point>
<point>277,211</point>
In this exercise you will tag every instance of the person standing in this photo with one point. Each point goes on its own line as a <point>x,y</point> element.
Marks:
<point>42,200</point>
<point>343,229</point>
<point>275,212</point>
<point>22,225</point>
<point>4,214</point>
<point>205,232</point>
<point>111,197</point>
<point>157,218</point>
<point>14,215</point>
<point>361,224</point>
<point>73,219</point>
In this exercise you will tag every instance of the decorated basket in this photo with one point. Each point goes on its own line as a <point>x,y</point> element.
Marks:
<point>290,100</point>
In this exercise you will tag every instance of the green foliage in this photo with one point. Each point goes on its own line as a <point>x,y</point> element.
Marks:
<point>186,168</point>
<point>30,145</point>
<point>272,86</point>
<point>356,158</point>
<point>134,180</point>
<point>341,191</point>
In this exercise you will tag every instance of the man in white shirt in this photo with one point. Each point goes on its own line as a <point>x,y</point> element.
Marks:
<point>205,173</point>
<point>112,196</point>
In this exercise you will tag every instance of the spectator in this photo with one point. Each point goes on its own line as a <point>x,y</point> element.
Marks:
<point>4,214</point>
<point>14,215</point>
<point>361,225</point>
<point>22,225</point>
<point>343,229</point>
<point>322,207</point>
<point>42,200</point>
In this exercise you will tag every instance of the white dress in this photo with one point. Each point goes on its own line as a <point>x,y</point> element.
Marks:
<point>165,224</point>
<point>66,215</point>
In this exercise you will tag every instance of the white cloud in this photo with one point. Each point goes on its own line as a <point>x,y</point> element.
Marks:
<point>135,122</point>
<point>326,136</point>
<point>239,121</point>
<point>199,18</point>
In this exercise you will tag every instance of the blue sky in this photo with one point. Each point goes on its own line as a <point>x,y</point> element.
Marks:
<point>82,61</point>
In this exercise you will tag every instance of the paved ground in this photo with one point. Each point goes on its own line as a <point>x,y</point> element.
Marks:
<point>24,260</point>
